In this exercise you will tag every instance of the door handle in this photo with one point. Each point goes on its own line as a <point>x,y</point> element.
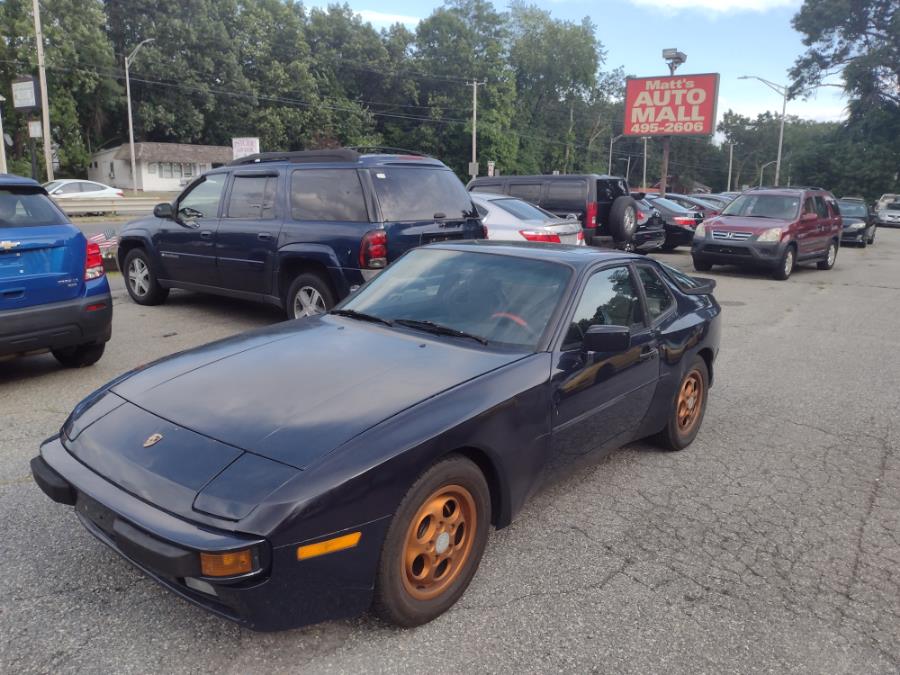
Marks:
<point>264,236</point>
<point>205,234</point>
<point>648,353</point>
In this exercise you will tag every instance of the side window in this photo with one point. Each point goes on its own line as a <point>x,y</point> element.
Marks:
<point>488,187</point>
<point>91,187</point>
<point>203,199</point>
<point>69,188</point>
<point>327,195</point>
<point>821,209</point>
<point>659,300</point>
<point>565,192</point>
<point>809,206</point>
<point>530,192</point>
<point>252,197</point>
<point>609,299</point>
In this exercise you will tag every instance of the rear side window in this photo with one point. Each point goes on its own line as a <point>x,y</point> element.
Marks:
<point>252,197</point>
<point>821,208</point>
<point>566,192</point>
<point>530,192</point>
<point>659,300</point>
<point>91,187</point>
<point>330,195</point>
<point>69,189</point>
<point>418,193</point>
<point>27,209</point>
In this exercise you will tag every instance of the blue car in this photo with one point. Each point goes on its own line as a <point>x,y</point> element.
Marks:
<point>54,295</point>
<point>313,469</point>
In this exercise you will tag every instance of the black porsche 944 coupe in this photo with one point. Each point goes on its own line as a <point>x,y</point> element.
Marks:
<point>357,459</point>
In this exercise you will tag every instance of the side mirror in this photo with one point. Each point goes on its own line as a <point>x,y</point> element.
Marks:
<point>164,210</point>
<point>807,217</point>
<point>607,339</point>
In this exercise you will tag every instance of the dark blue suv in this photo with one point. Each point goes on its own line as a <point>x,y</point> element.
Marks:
<point>54,294</point>
<point>300,230</point>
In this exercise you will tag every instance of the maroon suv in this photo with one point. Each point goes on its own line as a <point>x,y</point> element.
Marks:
<point>771,227</point>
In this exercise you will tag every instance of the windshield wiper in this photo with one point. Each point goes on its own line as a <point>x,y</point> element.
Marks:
<point>438,329</point>
<point>353,314</point>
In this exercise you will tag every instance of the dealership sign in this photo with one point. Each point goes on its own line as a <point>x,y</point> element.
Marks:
<point>683,105</point>
<point>244,147</point>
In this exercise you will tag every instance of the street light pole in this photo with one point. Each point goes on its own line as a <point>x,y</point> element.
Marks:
<point>2,140</point>
<point>42,77</point>
<point>730,163</point>
<point>762,170</point>
<point>644,184</point>
<point>673,58</point>
<point>612,140</point>
<point>783,91</point>
<point>473,166</point>
<point>128,60</point>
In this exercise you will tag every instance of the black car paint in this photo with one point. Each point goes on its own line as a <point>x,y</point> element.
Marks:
<point>502,410</point>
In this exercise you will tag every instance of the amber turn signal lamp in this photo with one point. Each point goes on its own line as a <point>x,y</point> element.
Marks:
<point>328,546</point>
<point>226,564</point>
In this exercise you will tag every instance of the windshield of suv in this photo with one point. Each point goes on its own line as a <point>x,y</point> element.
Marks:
<point>522,210</point>
<point>421,193</point>
<point>27,208</point>
<point>782,207</point>
<point>853,210</point>
<point>506,300</point>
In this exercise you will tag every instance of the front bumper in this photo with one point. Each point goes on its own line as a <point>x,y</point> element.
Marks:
<point>57,325</point>
<point>727,252</point>
<point>678,235</point>
<point>284,593</point>
<point>854,236</point>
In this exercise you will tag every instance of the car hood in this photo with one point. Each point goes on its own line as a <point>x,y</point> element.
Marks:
<point>295,392</point>
<point>745,224</point>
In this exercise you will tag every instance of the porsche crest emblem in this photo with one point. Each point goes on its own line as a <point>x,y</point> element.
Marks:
<point>152,440</point>
<point>7,245</point>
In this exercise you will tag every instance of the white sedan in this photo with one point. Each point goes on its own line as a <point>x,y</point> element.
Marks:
<point>511,219</point>
<point>70,188</point>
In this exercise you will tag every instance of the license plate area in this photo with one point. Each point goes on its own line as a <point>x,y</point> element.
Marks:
<point>94,511</point>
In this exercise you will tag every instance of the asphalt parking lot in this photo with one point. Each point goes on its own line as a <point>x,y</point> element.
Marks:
<point>772,544</point>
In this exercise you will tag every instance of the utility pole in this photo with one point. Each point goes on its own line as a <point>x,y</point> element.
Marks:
<point>2,139</point>
<point>730,164</point>
<point>473,165</point>
<point>128,60</point>
<point>784,91</point>
<point>673,58</point>
<point>612,140</point>
<point>644,184</point>
<point>42,76</point>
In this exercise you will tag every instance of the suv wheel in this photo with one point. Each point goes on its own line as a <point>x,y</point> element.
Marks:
<point>308,295</point>
<point>81,356</point>
<point>872,238</point>
<point>623,219</point>
<point>702,265</point>
<point>140,279</point>
<point>830,257</point>
<point>785,265</point>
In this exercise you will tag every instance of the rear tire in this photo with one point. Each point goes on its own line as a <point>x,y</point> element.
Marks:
<point>872,238</point>
<point>308,295</point>
<point>623,219</point>
<point>668,246</point>
<point>81,356</point>
<point>786,265</point>
<point>702,265</point>
<point>830,256</point>
<point>434,543</point>
<point>688,408</point>
<point>141,279</point>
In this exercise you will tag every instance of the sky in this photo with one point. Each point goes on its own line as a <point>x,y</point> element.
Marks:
<point>730,37</point>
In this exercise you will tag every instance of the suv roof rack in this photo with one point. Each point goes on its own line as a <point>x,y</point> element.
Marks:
<point>300,157</point>
<point>386,149</point>
<point>784,187</point>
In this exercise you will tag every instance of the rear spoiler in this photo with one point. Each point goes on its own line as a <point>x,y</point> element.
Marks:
<point>706,286</point>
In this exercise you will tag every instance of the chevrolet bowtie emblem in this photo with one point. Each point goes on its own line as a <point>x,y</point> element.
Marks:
<point>9,245</point>
<point>152,440</point>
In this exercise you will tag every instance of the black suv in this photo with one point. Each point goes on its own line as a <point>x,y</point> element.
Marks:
<point>603,204</point>
<point>300,230</point>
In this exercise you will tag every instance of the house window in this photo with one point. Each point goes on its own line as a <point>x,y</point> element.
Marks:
<point>165,169</point>
<point>176,170</point>
<point>189,170</point>
<point>112,169</point>
<point>151,167</point>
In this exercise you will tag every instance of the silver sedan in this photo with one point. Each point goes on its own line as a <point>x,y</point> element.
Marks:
<point>511,219</point>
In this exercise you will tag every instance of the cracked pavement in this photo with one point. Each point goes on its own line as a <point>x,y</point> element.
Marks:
<point>772,544</point>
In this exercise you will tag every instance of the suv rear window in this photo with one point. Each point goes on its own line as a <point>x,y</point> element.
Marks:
<point>419,193</point>
<point>329,195</point>
<point>252,197</point>
<point>27,208</point>
<point>530,192</point>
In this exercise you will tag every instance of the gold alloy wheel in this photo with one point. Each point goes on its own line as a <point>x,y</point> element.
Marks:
<point>690,401</point>
<point>439,541</point>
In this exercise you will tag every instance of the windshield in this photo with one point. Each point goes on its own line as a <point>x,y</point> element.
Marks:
<point>895,206</point>
<point>504,299</point>
<point>27,208</point>
<point>419,193</point>
<point>853,210</point>
<point>782,207</point>
<point>521,209</point>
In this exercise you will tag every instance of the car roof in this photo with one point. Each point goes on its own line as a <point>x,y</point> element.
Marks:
<point>786,191</point>
<point>11,180</point>
<point>493,197</point>
<point>578,257</point>
<point>337,158</point>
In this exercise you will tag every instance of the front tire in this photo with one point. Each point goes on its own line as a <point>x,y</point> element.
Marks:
<point>308,295</point>
<point>141,279</point>
<point>688,408</point>
<point>434,543</point>
<point>81,356</point>
<point>702,265</point>
<point>830,257</point>
<point>785,265</point>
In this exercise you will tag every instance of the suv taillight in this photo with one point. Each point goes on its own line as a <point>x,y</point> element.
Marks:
<point>535,235</point>
<point>590,214</point>
<point>93,262</point>
<point>373,250</point>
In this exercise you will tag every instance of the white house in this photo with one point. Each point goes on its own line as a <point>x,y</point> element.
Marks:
<point>161,167</point>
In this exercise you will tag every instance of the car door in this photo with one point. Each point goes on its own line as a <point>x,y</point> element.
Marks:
<point>598,397</point>
<point>187,243</point>
<point>247,238</point>
<point>824,224</point>
<point>807,229</point>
